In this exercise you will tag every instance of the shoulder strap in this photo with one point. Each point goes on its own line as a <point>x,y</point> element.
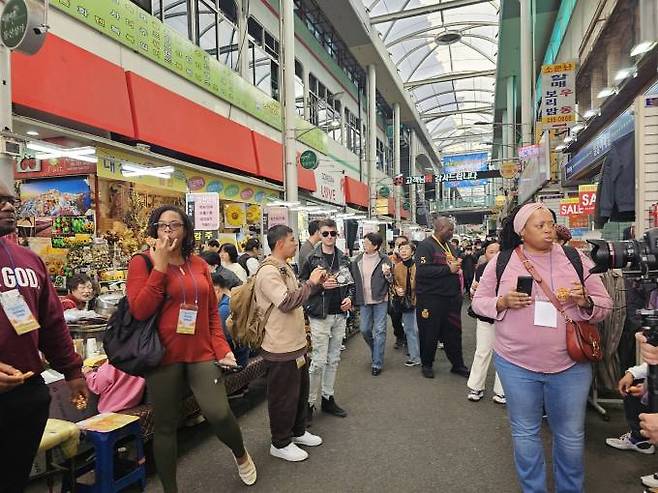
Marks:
<point>574,257</point>
<point>501,262</point>
<point>537,278</point>
<point>147,259</point>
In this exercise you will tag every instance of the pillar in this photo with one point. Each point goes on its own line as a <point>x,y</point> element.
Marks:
<point>526,72</point>
<point>6,161</point>
<point>372,138</point>
<point>396,163</point>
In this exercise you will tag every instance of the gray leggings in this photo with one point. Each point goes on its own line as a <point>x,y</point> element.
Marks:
<point>167,386</point>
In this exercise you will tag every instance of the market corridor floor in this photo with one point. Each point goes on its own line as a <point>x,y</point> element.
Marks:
<point>403,433</point>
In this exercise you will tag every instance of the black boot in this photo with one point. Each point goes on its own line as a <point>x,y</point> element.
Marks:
<point>329,406</point>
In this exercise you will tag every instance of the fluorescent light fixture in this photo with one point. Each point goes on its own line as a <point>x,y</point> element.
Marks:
<point>642,47</point>
<point>591,113</point>
<point>606,92</point>
<point>577,128</point>
<point>132,170</point>
<point>283,203</point>
<point>625,73</point>
<point>560,148</point>
<point>50,151</point>
<point>33,133</point>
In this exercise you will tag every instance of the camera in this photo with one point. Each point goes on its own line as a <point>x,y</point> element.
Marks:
<point>639,261</point>
<point>638,258</point>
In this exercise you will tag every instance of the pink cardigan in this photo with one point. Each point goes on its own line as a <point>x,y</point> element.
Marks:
<point>518,340</point>
<point>116,390</point>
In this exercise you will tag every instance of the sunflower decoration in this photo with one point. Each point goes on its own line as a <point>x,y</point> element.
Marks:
<point>253,214</point>
<point>234,215</point>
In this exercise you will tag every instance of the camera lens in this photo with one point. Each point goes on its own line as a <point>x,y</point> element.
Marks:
<point>613,255</point>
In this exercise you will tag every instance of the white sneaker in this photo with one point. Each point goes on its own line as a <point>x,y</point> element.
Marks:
<point>475,395</point>
<point>499,399</point>
<point>625,442</point>
<point>247,471</point>
<point>307,439</point>
<point>290,453</point>
<point>650,480</point>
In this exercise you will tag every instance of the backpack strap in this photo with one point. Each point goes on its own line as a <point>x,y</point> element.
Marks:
<point>577,262</point>
<point>501,262</point>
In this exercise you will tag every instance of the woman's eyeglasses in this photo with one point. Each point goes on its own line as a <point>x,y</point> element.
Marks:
<point>173,225</point>
<point>327,233</point>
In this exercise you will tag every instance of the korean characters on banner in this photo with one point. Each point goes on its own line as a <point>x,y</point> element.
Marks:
<point>559,94</point>
<point>204,210</point>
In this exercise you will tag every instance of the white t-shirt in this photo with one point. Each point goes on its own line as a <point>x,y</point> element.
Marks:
<point>238,270</point>
<point>252,265</point>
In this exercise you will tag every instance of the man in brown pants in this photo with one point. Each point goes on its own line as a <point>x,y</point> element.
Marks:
<point>284,345</point>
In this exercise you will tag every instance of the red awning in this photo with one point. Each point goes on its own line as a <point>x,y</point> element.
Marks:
<point>269,156</point>
<point>356,192</point>
<point>65,80</point>
<point>172,121</point>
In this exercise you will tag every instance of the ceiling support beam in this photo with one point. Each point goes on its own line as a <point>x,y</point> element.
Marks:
<point>441,114</point>
<point>427,9</point>
<point>449,77</point>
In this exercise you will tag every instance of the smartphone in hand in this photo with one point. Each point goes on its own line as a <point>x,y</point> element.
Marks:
<point>524,285</point>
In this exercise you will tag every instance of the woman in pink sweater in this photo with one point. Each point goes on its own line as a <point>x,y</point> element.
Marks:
<point>116,390</point>
<point>531,352</point>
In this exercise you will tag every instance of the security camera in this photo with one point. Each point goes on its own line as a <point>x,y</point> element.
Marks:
<point>41,30</point>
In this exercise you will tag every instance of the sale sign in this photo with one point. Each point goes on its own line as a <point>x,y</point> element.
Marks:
<point>571,207</point>
<point>587,196</point>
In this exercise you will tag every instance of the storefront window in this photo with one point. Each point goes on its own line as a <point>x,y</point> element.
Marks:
<point>174,13</point>
<point>207,28</point>
<point>264,56</point>
<point>299,88</point>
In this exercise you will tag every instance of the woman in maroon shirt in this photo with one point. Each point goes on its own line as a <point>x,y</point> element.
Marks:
<point>180,290</point>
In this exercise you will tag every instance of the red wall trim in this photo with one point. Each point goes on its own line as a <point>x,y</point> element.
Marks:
<point>65,80</point>
<point>356,192</point>
<point>169,120</point>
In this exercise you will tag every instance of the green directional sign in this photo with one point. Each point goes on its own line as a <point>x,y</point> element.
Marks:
<point>384,191</point>
<point>13,23</point>
<point>309,160</point>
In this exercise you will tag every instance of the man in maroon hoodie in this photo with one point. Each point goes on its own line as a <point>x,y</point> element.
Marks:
<point>31,320</point>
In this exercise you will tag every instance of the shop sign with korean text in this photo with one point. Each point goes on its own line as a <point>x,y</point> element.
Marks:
<point>587,196</point>
<point>183,180</point>
<point>276,216</point>
<point>330,187</point>
<point>571,207</point>
<point>419,179</point>
<point>21,25</point>
<point>559,94</point>
<point>206,210</point>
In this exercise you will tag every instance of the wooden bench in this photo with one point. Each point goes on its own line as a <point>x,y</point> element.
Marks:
<point>233,381</point>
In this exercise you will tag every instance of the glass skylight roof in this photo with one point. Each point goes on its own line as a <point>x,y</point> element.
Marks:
<point>449,41</point>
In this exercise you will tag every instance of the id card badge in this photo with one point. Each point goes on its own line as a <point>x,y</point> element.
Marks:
<point>545,313</point>
<point>301,361</point>
<point>187,319</point>
<point>19,314</point>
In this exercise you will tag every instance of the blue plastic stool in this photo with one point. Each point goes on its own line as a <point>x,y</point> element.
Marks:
<point>105,444</point>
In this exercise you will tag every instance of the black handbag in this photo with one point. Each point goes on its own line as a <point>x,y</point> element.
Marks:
<point>131,345</point>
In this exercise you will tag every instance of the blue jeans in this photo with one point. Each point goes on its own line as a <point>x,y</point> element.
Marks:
<point>411,333</point>
<point>564,396</point>
<point>373,329</point>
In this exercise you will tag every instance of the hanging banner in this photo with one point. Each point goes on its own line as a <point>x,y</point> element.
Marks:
<point>587,196</point>
<point>206,210</point>
<point>235,215</point>
<point>330,187</point>
<point>381,207</point>
<point>559,94</point>
<point>182,180</point>
<point>571,207</point>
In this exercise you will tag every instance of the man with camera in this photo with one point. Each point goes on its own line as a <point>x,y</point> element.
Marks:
<point>327,313</point>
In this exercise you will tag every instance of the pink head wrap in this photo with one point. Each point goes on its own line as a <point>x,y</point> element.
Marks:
<point>524,214</point>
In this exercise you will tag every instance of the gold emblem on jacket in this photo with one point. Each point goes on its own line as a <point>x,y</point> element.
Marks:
<point>425,313</point>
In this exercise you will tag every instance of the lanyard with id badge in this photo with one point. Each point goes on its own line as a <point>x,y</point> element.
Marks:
<point>188,313</point>
<point>545,312</point>
<point>15,307</point>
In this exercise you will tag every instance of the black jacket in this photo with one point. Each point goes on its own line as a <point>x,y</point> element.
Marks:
<point>378,283</point>
<point>316,306</point>
<point>433,276</point>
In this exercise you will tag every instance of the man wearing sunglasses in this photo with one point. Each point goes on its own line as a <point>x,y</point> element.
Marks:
<point>327,312</point>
